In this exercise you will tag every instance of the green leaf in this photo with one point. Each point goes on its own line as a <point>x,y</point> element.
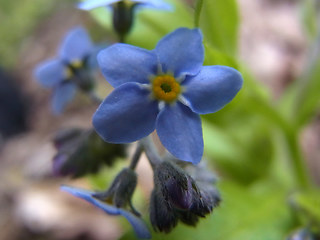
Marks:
<point>302,100</point>
<point>17,19</point>
<point>215,57</point>
<point>309,17</point>
<point>219,22</point>
<point>308,205</point>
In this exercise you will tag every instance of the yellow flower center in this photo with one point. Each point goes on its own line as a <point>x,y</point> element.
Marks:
<point>69,70</point>
<point>166,88</point>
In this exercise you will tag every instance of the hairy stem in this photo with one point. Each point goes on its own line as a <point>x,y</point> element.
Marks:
<point>151,151</point>
<point>136,156</point>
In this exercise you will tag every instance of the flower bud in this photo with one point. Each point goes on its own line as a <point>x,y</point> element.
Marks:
<point>177,196</point>
<point>121,190</point>
<point>162,216</point>
<point>123,17</point>
<point>81,152</point>
<point>175,184</point>
<point>205,199</point>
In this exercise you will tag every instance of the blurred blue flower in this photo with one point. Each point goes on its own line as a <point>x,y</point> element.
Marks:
<point>138,225</point>
<point>164,89</point>
<point>69,70</point>
<point>91,4</point>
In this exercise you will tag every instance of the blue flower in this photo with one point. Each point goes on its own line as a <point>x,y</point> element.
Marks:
<point>91,4</point>
<point>68,70</point>
<point>138,225</point>
<point>164,89</point>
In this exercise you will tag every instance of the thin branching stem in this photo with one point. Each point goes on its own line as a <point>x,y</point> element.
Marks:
<point>136,156</point>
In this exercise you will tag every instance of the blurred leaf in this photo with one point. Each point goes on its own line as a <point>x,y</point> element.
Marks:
<point>216,57</point>
<point>239,138</point>
<point>257,213</point>
<point>219,22</point>
<point>308,204</point>
<point>243,151</point>
<point>17,19</point>
<point>309,17</point>
<point>302,100</point>
<point>105,176</point>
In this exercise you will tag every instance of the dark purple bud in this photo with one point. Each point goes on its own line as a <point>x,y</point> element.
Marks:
<point>205,199</point>
<point>162,216</point>
<point>64,137</point>
<point>174,184</point>
<point>83,151</point>
<point>189,218</point>
<point>58,166</point>
<point>58,162</point>
<point>180,196</point>
<point>177,196</point>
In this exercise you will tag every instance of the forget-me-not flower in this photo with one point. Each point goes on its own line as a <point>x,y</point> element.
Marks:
<point>69,70</point>
<point>164,89</point>
<point>115,199</point>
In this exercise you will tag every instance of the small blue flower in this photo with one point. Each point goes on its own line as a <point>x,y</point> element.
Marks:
<point>68,70</point>
<point>138,225</point>
<point>157,4</point>
<point>164,89</point>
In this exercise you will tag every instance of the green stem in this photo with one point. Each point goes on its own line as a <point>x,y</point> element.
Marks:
<point>291,137</point>
<point>297,160</point>
<point>197,12</point>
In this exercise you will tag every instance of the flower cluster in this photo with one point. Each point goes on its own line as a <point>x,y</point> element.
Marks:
<point>164,89</point>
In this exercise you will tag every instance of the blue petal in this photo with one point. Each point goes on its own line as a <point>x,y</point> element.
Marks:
<point>62,95</point>
<point>122,63</point>
<point>50,73</point>
<point>156,4</point>
<point>91,4</point>
<point>138,225</point>
<point>212,88</point>
<point>87,195</point>
<point>126,115</point>
<point>180,131</point>
<point>76,45</point>
<point>181,52</point>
